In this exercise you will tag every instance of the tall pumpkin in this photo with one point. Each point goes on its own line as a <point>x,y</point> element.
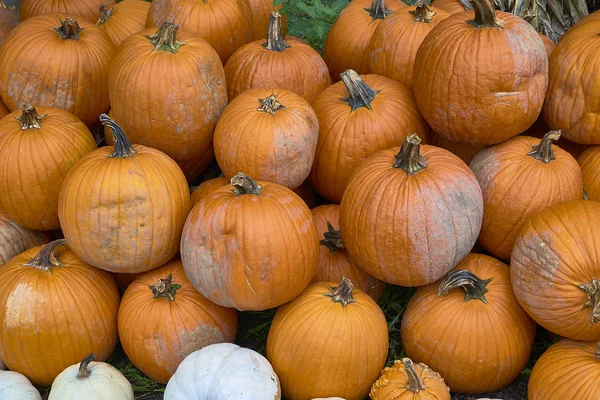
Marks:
<point>481,77</point>
<point>479,340</point>
<point>37,150</point>
<point>122,208</point>
<point>229,259</point>
<point>87,9</point>
<point>124,19</point>
<point>386,215</point>
<point>332,340</point>
<point>277,63</point>
<point>555,269</point>
<point>65,65</point>
<point>14,239</point>
<point>519,178</point>
<point>590,167</point>
<point>57,309</point>
<point>8,20</point>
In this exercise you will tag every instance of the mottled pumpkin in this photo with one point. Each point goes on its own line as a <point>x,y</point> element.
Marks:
<point>8,20</point>
<point>124,19</point>
<point>464,151</point>
<point>14,239</point>
<point>207,187</point>
<point>589,162</point>
<point>87,9</point>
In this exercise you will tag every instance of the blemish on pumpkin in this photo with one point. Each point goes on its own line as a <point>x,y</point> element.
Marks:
<point>19,308</point>
<point>201,336</point>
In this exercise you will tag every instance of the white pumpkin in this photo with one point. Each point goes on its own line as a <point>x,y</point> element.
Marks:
<point>91,381</point>
<point>224,371</point>
<point>15,386</point>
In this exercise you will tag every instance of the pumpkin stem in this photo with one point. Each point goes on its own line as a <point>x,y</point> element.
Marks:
<point>3,5</point>
<point>244,185</point>
<point>165,288</point>
<point>69,29</point>
<point>47,256</point>
<point>270,105</point>
<point>592,290</point>
<point>415,383</point>
<point>409,158</point>
<point>485,15</point>
<point>105,14</point>
<point>378,10</point>
<point>543,151</point>
<point>30,119</point>
<point>342,293</point>
<point>333,239</point>
<point>422,13</point>
<point>275,40</point>
<point>122,147</point>
<point>474,287</point>
<point>84,371</point>
<point>361,94</point>
<point>165,39</point>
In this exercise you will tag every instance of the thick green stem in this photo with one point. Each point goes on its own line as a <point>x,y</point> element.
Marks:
<point>165,288</point>
<point>165,39</point>
<point>422,13</point>
<point>270,105</point>
<point>342,293</point>
<point>474,287</point>
<point>485,15</point>
<point>84,371</point>
<point>592,291</point>
<point>333,239</point>
<point>415,383</point>
<point>122,147</point>
<point>69,29</point>
<point>361,94</point>
<point>409,158</point>
<point>275,40</point>
<point>378,10</point>
<point>244,185</point>
<point>543,151</point>
<point>30,119</point>
<point>47,257</point>
<point>105,14</point>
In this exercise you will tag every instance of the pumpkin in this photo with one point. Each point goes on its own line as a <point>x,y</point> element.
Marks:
<point>386,213</point>
<point>394,44</point>
<point>87,9</point>
<point>207,187</point>
<point>37,150</point>
<point>194,167</point>
<point>65,65</point>
<point>261,11</point>
<point>334,261</point>
<point>8,20</point>
<point>558,373</point>
<point>163,319</point>
<point>312,350</point>
<point>277,63</point>
<point>348,39</point>
<point>122,208</point>
<point>590,167</point>
<point>15,386</point>
<point>549,45</point>
<point>479,340</point>
<point>358,117</point>
<point>189,68</point>
<point>4,111</point>
<point>519,178</point>
<point>226,371</point>
<point>14,239</point>
<point>227,256</point>
<point>225,24</point>
<point>405,377</point>
<point>555,269</point>
<point>278,132</point>
<point>464,151</point>
<point>91,380</point>
<point>539,129</point>
<point>57,310</point>
<point>124,19</point>
<point>450,6</point>
<point>484,89</point>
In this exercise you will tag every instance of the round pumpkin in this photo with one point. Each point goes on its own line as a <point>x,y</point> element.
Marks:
<point>555,270</point>
<point>15,386</point>
<point>163,319</point>
<point>567,370</point>
<point>481,77</point>
<point>8,19</point>
<point>334,261</point>
<point>277,63</point>
<point>270,134</point>
<point>386,213</point>
<point>358,117</point>
<point>549,45</point>
<point>464,151</point>
<point>57,310</point>
<point>450,6</point>
<point>394,44</point>
<point>590,167</point>
<point>479,340</point>
<point>65,65</point>
<point>207,187</point>
<point>124,19</point>
<point>14,239</point>
<point>37,150</point>
<point>122,208</point>
<point>519,178</point>
<point>87,9</point>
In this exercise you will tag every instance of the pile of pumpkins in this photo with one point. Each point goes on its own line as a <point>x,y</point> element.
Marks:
<point>428,131</point>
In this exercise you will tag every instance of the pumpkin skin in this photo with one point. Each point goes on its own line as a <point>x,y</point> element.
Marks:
<point>464,151</point>
<point>408,247</point>
<point>310,348</point>
<point>70,303</point>
<point>14,239</point>
<point>450,6</point>
<point>555,271</point>
<point>16,386</point>
<point>476,346</point>
<point>590,167</point>
<point>157,333</point>
<point>279,143</point>
<point>557,373</point>
<point>34,162</point>
<point>136,191</point>
<point>124,19</point>
<point>193,168</point>
<point>261,11</point>
<point>517,182</point>
<point>496,94</point>
<point>87,9</point>
<point>548,44</point>
<point>4,111</point>
<point>8,20</point>
<point>352,129</point>
<point>207,187</point>
<point>277,63</point>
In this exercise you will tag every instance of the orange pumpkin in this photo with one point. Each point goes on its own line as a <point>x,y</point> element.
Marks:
<point>479,340</point>
<point>519,178</point>
<point>334,261</point>
<point>194,167</point>
<point>480,78</point>
<point>14,239</point>
<point>8,20</point>
<point>65,66</point>
<point>163,319</point>
<point>261,11</point>
<point>464,151</point>
<point>207,187</point>
<point>555,270</point>
<point>230,260</point>
<point>87,9</point>
<point>450,6</point>
<point>332,340</point>
<point>4,111</point>
<point>124,19</point>
<point>539,129</point>
<point>131,202</point>
<point>56,310</point>
<point>37,150</point>
<point>358,117</point>
<point>590,167</point>
<point>277,63</point>
<point>548,44</point>
<point>386,213</point>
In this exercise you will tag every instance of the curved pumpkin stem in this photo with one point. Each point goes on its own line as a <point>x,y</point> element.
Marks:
<point>485,15</point>
<point>244,185</point>
<point>378,10</point>
<point>47,257</point>
<point>474,287</point>
<point>409,158</point>
<point>122,147</point>
<point>592,291</point>
<point>105,14</point>
<point>30,119</point>
<point>69,29</point>
<point>165,39</point>
<point>342,293</point>
<point>361,94</point>
<point>84,371</point>
<point>333,239</point>
<point>165,288</point>
<point>422,13</point>
<point>415,383</point>
<point>270,105</point>
<point>275,40</point>
<point>543,151</point>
